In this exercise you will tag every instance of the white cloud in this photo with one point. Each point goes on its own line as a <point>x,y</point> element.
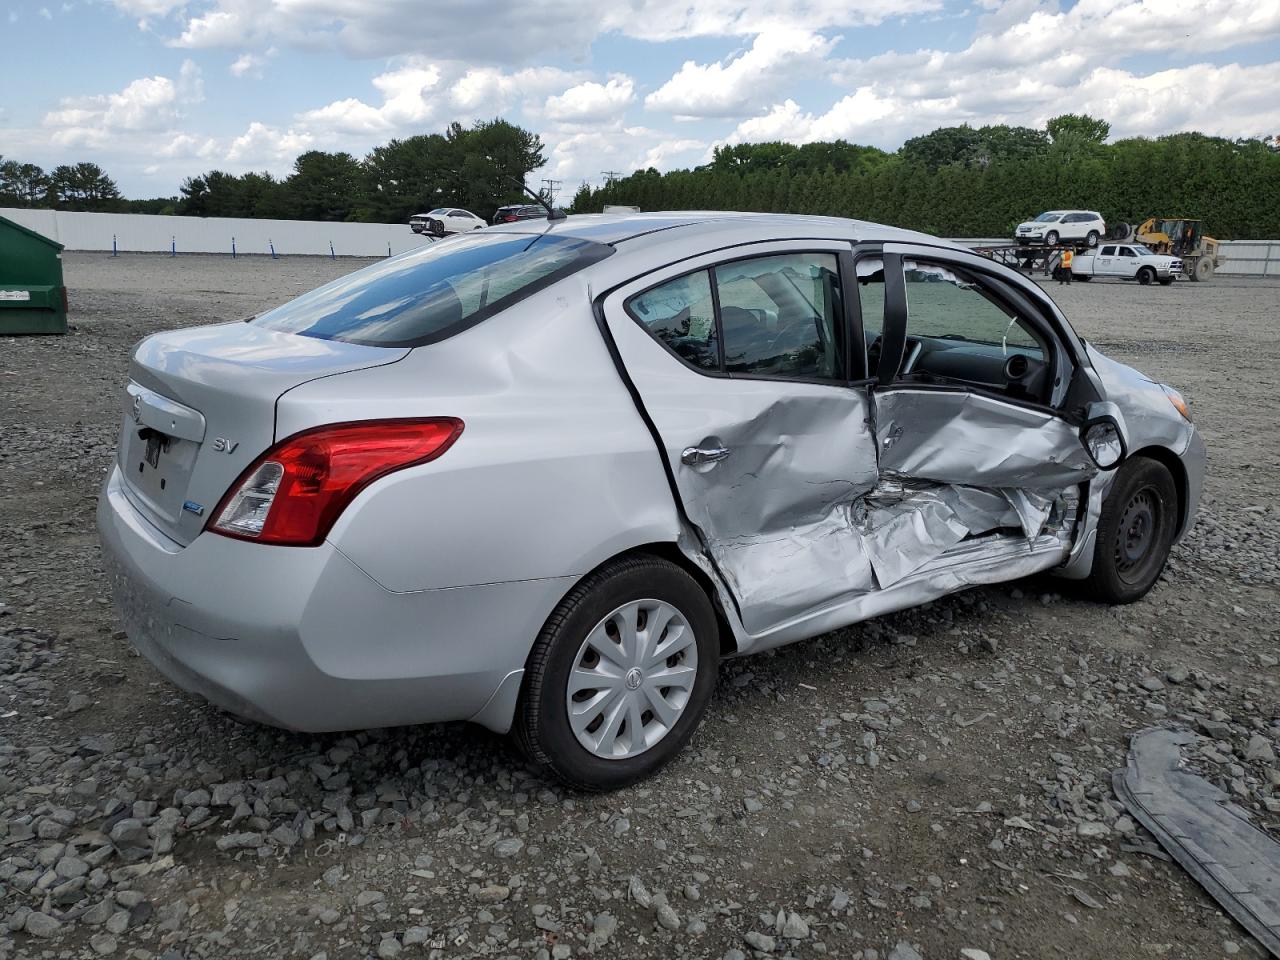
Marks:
<point>267,146</point>
<point>497,31</point>
<point>591,102</point>
<point>737,86</point>
<point>476,30</point>
<point>1029,61</point>
<point>145,9</point>
<point>582,155</point>
<point>421,95</point>
<point>248,65</point>
<point>676,19</point>
<point>1227,101</point>
<point>146,104</point>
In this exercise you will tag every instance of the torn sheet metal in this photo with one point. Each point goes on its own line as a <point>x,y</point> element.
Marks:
<point>905,524</point>
<point>1210,837</point>
<point>970,439</point>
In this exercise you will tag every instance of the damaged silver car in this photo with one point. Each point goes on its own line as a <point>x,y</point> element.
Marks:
<point>544,477</point>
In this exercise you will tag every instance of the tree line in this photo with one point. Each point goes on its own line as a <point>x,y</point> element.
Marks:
<point>479,168</point>
<point>975,182</point>
<point>73,186</point>
<point>956,181</point>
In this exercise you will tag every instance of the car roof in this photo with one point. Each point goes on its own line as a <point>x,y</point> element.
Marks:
<point>632,228</point>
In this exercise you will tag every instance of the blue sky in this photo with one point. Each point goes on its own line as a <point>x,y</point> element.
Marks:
<point>158,90</point>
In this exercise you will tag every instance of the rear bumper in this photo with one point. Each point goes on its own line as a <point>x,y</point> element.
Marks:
<point>302,638</point>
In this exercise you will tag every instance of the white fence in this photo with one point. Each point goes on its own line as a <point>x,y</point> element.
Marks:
<point>141,233</point>
<point>1251,258</point>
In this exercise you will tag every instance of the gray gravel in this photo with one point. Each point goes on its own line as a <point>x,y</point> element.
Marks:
<point>933,784</point>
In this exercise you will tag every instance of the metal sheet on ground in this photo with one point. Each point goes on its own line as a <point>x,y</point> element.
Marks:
<point>1208,835</point>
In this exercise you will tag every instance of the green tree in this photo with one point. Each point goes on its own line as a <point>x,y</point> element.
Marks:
<point>22,184</point>
<point>83,186</point>
<point>1079,127</point>
<point>323,186</point>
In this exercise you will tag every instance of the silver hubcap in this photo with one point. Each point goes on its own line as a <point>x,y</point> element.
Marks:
<point>632,679</point>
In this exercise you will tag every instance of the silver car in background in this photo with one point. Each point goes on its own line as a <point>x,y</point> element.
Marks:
<point>546,475</point>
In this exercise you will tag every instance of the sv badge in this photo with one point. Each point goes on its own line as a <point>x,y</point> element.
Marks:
<point>223,445</point>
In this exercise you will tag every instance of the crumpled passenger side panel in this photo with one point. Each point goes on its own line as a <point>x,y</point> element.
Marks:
<point>968,438</point>
<point>774,514</point>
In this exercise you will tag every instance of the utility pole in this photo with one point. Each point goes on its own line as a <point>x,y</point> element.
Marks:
<point>610,176</point>
<point>552,187</point>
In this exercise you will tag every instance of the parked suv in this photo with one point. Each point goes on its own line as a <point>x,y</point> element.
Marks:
<point>1054,226</point>
<point>519,211</point>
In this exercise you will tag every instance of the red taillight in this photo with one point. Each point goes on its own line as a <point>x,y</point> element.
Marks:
<point>293,493</point>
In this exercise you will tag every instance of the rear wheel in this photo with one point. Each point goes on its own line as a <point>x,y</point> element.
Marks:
<point>620,676</point>
<point>1092,238</point>
<point>1146,275</point>
<point>1135,532</point>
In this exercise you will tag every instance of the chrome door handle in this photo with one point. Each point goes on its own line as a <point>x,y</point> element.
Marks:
<point>693,456</point>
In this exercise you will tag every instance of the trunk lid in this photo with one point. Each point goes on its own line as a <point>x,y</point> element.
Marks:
<point>200,406</point>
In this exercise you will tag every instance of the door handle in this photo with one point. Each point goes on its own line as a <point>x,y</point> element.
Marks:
<point>694,456</point>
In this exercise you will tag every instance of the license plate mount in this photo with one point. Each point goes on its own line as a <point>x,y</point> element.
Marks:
<point>157,443</point>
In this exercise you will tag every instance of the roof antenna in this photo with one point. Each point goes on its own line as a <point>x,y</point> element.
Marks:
<point>553,213</point>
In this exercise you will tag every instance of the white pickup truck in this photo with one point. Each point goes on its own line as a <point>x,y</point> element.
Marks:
<point>1126,261</point>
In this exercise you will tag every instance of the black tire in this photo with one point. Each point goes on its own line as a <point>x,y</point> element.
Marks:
<point>1082,277</point>
<point>541,725</point>
<point>1135,532</point>
<point>1091,239</point>
<point>1051,238</point>
<point>1146,275</point>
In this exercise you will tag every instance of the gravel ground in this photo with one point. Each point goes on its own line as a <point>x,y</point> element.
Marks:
<point>930,784</point>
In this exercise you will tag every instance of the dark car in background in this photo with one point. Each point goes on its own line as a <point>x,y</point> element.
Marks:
<point>519,211</point>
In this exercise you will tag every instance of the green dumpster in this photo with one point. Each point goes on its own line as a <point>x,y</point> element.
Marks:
<point>32,296</point>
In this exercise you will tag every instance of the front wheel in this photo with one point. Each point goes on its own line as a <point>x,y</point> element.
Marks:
<point>1135,532</point>
<point>1051,238</point>
<point>1146,275</point>
<point>620,676</point>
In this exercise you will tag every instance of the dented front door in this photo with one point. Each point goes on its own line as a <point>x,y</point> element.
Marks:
<point>973,439</point>
<point>743,367</point>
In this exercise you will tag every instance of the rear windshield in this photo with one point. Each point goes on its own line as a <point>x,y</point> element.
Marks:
<point>431,294</point>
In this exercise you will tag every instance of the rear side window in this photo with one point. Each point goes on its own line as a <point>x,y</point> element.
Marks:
<point>782,316</point>
<point>681,314</point>
<point>776,316</point>
<point>432,293</point>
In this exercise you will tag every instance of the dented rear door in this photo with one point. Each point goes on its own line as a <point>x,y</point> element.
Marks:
<point>743,366</point>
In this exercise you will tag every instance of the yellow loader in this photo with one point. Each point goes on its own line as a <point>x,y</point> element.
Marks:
<point>1180,238</point>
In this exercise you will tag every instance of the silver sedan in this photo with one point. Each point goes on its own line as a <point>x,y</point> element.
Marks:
<point>545,476</point>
